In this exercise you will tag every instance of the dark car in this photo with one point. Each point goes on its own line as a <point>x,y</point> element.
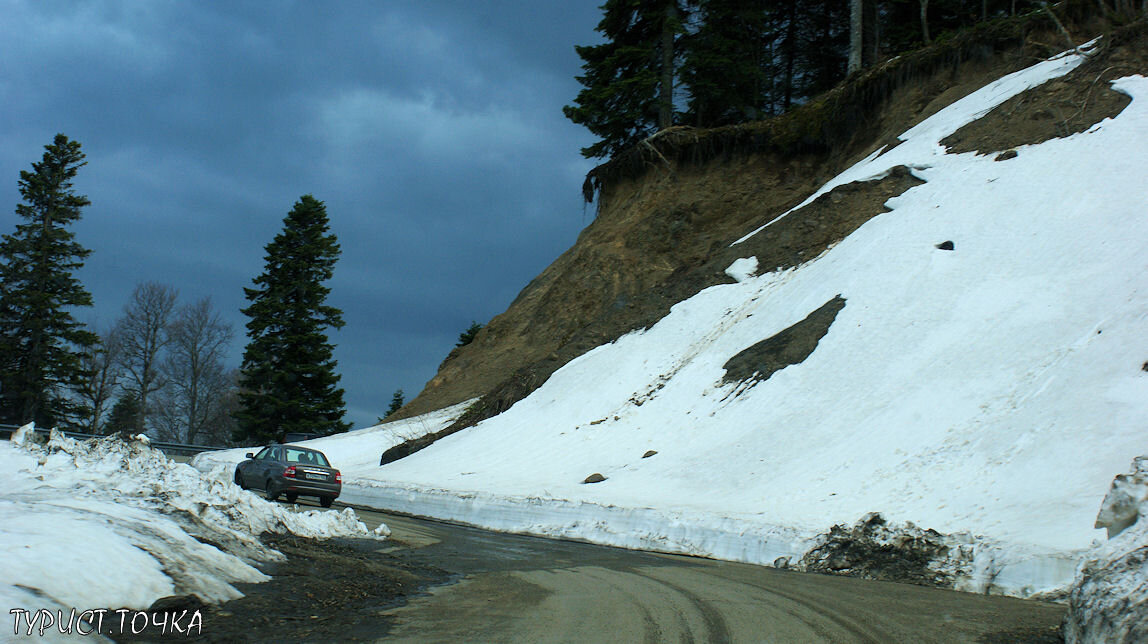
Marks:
<point>291,471</point>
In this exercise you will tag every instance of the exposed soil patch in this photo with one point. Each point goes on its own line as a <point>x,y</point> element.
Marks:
<point>648,235</point>
<point>326,591</point>
<point>789,347</point>
<point>1062,107</point>
<point>872,549</point>
<point>1049,635</point>
<point>806,233</point>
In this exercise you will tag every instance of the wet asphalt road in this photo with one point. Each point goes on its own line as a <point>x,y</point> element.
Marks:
<point>511,588</point>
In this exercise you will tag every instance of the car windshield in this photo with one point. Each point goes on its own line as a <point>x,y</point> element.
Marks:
<point>306,457</point>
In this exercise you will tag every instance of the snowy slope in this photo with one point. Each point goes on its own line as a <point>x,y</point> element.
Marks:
<point>992,391</point>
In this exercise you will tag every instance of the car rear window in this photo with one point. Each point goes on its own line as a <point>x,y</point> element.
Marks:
<point>306,457</point>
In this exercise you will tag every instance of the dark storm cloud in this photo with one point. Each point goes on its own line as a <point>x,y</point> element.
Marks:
<point>432,130</point>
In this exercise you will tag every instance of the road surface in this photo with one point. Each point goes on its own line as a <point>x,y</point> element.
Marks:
<point>513,588</point>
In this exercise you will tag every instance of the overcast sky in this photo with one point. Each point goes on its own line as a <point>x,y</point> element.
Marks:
<point>432,130</point>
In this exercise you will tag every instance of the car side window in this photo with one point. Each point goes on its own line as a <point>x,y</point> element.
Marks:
<point>276,454</point>
<point>263,454</point>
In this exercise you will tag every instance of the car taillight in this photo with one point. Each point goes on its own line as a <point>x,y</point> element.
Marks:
<point>289,473</point>
<point>338,477</point>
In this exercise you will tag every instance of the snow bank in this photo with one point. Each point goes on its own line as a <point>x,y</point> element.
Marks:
<point>637,528</point>
<point>1109,601</point>
<point>108,523</point>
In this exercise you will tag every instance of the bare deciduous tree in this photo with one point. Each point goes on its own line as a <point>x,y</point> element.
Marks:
<point>101,366</point>
<point>193,370</point>
<point>143,334</point>
<point>220,424</point>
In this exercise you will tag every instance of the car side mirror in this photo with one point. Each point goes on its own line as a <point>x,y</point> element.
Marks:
<point>248,455</point>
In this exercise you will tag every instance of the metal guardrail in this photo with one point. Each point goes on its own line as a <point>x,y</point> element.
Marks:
<point>6,432</point>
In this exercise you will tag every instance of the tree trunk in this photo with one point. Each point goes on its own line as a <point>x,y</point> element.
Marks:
<point>143,331</point>
<point>856,29</point>
<point>790,54</point>
<point>666,98</point>
<point>870,37</point>
<point>925,21</point>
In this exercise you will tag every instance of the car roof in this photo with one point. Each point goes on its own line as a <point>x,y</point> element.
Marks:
<point>301,449</point>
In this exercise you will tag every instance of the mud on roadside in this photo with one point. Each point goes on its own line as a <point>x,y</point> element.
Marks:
<point>325,591</point>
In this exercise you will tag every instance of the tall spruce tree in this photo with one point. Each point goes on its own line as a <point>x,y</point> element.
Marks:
<point>288,380</point>
<point>41,343</point>
<point>628,80</point>
<point>749,59</point>
<point>824,45</point>
<point>726,62</point>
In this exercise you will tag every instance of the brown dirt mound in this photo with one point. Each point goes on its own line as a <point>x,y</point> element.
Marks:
<point>872,549</point>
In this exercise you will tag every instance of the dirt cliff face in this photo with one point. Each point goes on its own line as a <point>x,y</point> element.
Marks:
<point>649,233</point>
<point>664,233</point>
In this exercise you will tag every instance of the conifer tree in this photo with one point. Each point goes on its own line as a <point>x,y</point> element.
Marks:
<point>726,62</point>
<point>467,336</point>
<point>628,80</point>
<point>288,381</point>
<point>824,45</point>
<point>863,41</point>
<point>40,341</point>
<point>396,403</point>
<point>125,415</point>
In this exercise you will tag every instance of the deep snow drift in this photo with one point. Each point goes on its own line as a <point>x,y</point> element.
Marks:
<point>1109,602</point>
<point>110,524</point>
<point>989,392</point>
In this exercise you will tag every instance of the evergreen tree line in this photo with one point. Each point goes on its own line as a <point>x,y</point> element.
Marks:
<point>160,368</point>
<point>708,63</point>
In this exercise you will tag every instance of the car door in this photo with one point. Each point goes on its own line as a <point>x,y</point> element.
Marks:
<point>252,469</point>
<point>270,465</point>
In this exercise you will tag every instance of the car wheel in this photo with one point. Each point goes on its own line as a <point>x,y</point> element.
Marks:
<point>326,501</point>
<point>270,492</point>
<point>291,496</point>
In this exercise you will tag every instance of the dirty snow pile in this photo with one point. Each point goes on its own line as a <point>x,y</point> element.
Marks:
<point>1109,601</point>
<point>989,392</point>
<point>109,524</point>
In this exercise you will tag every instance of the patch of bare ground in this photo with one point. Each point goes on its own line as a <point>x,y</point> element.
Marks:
<point>1062,107</point>
<point>325,591</point>
<point>874,549</point>
<point>789,347</point>
<point>807,232</point>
